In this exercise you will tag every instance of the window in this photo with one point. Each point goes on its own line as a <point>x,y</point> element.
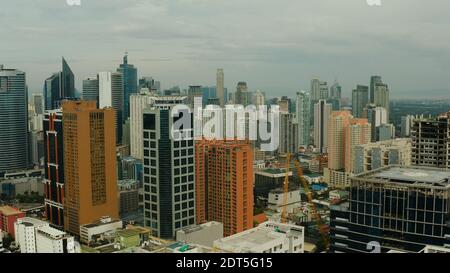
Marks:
<point>149,122</point>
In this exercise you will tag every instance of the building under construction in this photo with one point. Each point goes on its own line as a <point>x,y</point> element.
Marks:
<point>395,208</point>
<point>431,141</point>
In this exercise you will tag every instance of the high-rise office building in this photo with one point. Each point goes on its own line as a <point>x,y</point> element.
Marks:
<point>431,141</point>
<point>376,116</point>
<point>396,207</point>
<point>90,176</point>
<point>336,91</point>
<point>374,80</point>
<point>54,167</point>
<point>319,90</point>
<point>220,87</point>
<point>194,91</point>
<point>224,184</point>
<point>90,89</point>
<point>38,104</point>
<point>169,183</point>
<point>303,115</point>
<point>241,96</point>
<point>138,103</point>
<point>288,133</point>
<point>381,97</point>
<point>360,99</point>
<point>130,81</point>
<point>13,120</point>
<point>59,86</point>
<point>322,111</point>
<point>380,154</point>
<point>151,84</point>
<point>111,95</point>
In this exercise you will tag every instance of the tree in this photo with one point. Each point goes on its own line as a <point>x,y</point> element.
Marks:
<point>7,240</point>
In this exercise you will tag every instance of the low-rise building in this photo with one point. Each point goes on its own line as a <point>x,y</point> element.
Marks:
<point>8,216</point>
<point>36,236</point>
<point>277,198</point>
<point>269,179</point>
<point>106,226</point>
<point>269,237</point>
<point>204,234</point>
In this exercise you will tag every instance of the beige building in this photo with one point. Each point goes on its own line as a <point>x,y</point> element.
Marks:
<point>89,164</point>
<point>344,133</point>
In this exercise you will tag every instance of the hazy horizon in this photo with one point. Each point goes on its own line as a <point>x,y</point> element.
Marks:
<point>275,46</point>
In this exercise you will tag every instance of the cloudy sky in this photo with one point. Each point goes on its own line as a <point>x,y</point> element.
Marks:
<point>275,45</point>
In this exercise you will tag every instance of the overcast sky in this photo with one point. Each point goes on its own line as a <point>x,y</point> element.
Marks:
<point>275,45</point>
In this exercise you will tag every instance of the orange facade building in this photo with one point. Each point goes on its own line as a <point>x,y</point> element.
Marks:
<point>89,164</point>
<point>224,184</point>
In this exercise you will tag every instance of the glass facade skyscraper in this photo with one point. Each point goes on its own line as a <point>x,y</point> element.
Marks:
<point>59,86</point>
<point>13,120</point>
<point>130,84</point>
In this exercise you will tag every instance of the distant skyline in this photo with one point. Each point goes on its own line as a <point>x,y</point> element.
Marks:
<point>275,46</point>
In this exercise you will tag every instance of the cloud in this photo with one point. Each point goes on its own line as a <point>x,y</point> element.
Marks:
<point>276,46</point>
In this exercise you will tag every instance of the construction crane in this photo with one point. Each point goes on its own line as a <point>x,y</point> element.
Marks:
<point>321,226</point>
<point>285,190</point>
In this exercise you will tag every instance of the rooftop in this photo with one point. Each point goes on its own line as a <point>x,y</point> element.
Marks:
<point>421,176</point>
<point>256,237</point>
<point>9,211</point>
<point>52,232</point>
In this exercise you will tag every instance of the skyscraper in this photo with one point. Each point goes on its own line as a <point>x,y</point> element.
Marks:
<point>138,103</point>
<point>322,111</point>
<point>241,94</point>
<point>59,86</point>
<point>67,81</point>
<point>337,124</point>
<point>89,164</point>
<point>344,133</point>
<point>376,116</point>
<point>111,95</point>
<point>336,91</point>
<point>90,89</point>
<point>381,97</point>
<point>319,90</point>
<point>38,102</point>
<point>151,84</point>
<point>224,184</point>
<point>169,183</point>
<point>303,115</point>
<point>360,99</point>
<point>288,133</point>
<point>220,79</point>
<point>13,120</point>
<point>401,208</point>
<point>130,81</point>
<point>54,167</point>
<point>356,133</point>
<point>374,80</point>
